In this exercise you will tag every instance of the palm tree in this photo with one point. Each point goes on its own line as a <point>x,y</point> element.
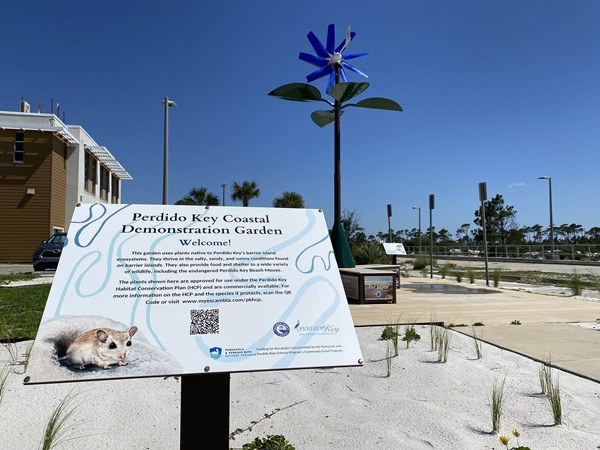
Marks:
<point>244,192</point>
<point>289,200</point>
<point>199,196</point>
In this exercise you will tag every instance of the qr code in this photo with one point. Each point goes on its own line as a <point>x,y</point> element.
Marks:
<point>204,321</point>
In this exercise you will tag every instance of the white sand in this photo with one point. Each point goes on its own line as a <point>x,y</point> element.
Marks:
<point>422,405</point>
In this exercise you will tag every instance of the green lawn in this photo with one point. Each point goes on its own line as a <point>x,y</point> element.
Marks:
<point>21,310</point>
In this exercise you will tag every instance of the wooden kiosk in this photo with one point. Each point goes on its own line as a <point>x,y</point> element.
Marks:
<point>370,284</point>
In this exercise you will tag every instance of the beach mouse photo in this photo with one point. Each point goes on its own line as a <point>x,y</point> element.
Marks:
<point>102,347</point>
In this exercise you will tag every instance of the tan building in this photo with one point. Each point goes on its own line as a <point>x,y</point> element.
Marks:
<point>46,168</point>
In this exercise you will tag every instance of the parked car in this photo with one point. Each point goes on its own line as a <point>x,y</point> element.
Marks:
<point>47,255</point>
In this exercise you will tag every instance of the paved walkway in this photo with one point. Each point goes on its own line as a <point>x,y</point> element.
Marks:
<point>563,327</point>
<point>552,323</point>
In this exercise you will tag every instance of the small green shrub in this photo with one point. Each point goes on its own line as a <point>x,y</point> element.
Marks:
<point>479,324</point>
<point>420,263</point>
<point>456,325</point>
<point>424,272</point>
<point>389,333</point>
<point>459,276</point>
<point>370,253</point>
<point>497,275</point>
<point>575,283</point>
<point>404,270</point>
<point>516,322</point>
<point>471,275</point>
<point>446,269</point>
<point>271,442</point>
<point>410,334</point>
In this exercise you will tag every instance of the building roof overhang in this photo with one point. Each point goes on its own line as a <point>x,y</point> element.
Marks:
<point>108,160</point>
<point>61,133</point>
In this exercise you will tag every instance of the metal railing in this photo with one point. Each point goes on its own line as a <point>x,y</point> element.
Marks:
<point>562,252</point>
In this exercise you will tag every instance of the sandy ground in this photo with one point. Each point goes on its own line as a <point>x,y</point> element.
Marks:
<point>423,404</point>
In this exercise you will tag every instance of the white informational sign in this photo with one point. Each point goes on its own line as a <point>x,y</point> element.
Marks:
<point>394,249</point>
<point>155,290</point>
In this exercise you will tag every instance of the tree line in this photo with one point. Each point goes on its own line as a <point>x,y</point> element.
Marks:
<point>502,228</point>
<point>244,192</point>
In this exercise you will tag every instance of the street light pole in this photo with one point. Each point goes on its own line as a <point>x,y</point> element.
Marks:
<point>223,186</point>
<point>166,103</point>
<point>551,221</point>
<point>431,207</point>
<point>482,199</point>
<point>419,208</point>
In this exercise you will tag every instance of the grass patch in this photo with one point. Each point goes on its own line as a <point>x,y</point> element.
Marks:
<point>553,393</point>
<point>58,430</point>
<point>443,345</point>
<point>575,283</point>
<point>21,310</point>
<point>446,269</point>
<point>497,403</point>
<point>10,277</point>
<point>477,343</point>
<point>3,380</point>
<point>471,274</point>
<point>388,359</point>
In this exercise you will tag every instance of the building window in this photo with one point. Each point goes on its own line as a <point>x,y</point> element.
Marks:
<point>89,171</point>
<point>19,154</point>
<point>104,177</point>
<point>115,190</point>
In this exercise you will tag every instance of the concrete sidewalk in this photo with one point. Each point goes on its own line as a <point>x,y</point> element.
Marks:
<point>563,328</point>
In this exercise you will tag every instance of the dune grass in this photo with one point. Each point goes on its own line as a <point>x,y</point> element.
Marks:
<point>497,402</point>
<point>58,430</point>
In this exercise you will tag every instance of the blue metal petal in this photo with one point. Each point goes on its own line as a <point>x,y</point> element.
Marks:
<point>355,55</point>
<point>331,81</point>
<point>319,73</point>
<point>312,59</point>
<point>341,46</point>
<point>354,69</point>
<point>343,76</point>
<point>330,38</point>
<point>316,44</point>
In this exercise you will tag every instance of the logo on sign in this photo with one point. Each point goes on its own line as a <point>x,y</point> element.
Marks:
<point>316,329</point>
<point>215,352</point>
<point>281,329</point>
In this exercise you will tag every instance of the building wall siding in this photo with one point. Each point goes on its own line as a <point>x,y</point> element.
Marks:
<point>25,217</point>
<point>58,187</point>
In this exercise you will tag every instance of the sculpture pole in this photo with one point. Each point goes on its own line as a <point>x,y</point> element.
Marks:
<point>339,242</point>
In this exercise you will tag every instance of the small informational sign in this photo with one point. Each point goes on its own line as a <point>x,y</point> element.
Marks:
<point>394,249</point>
<point>379,288</point>
<point>155,290</point>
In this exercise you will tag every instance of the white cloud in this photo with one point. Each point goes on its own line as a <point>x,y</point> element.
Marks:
<point>516,184</point>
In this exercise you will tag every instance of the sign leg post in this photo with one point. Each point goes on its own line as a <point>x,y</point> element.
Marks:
<point>205,411</point>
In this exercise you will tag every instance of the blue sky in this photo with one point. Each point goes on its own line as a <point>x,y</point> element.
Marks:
<point>494,91</point>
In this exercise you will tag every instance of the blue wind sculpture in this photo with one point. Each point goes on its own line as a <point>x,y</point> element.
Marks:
<point>331,61</point>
